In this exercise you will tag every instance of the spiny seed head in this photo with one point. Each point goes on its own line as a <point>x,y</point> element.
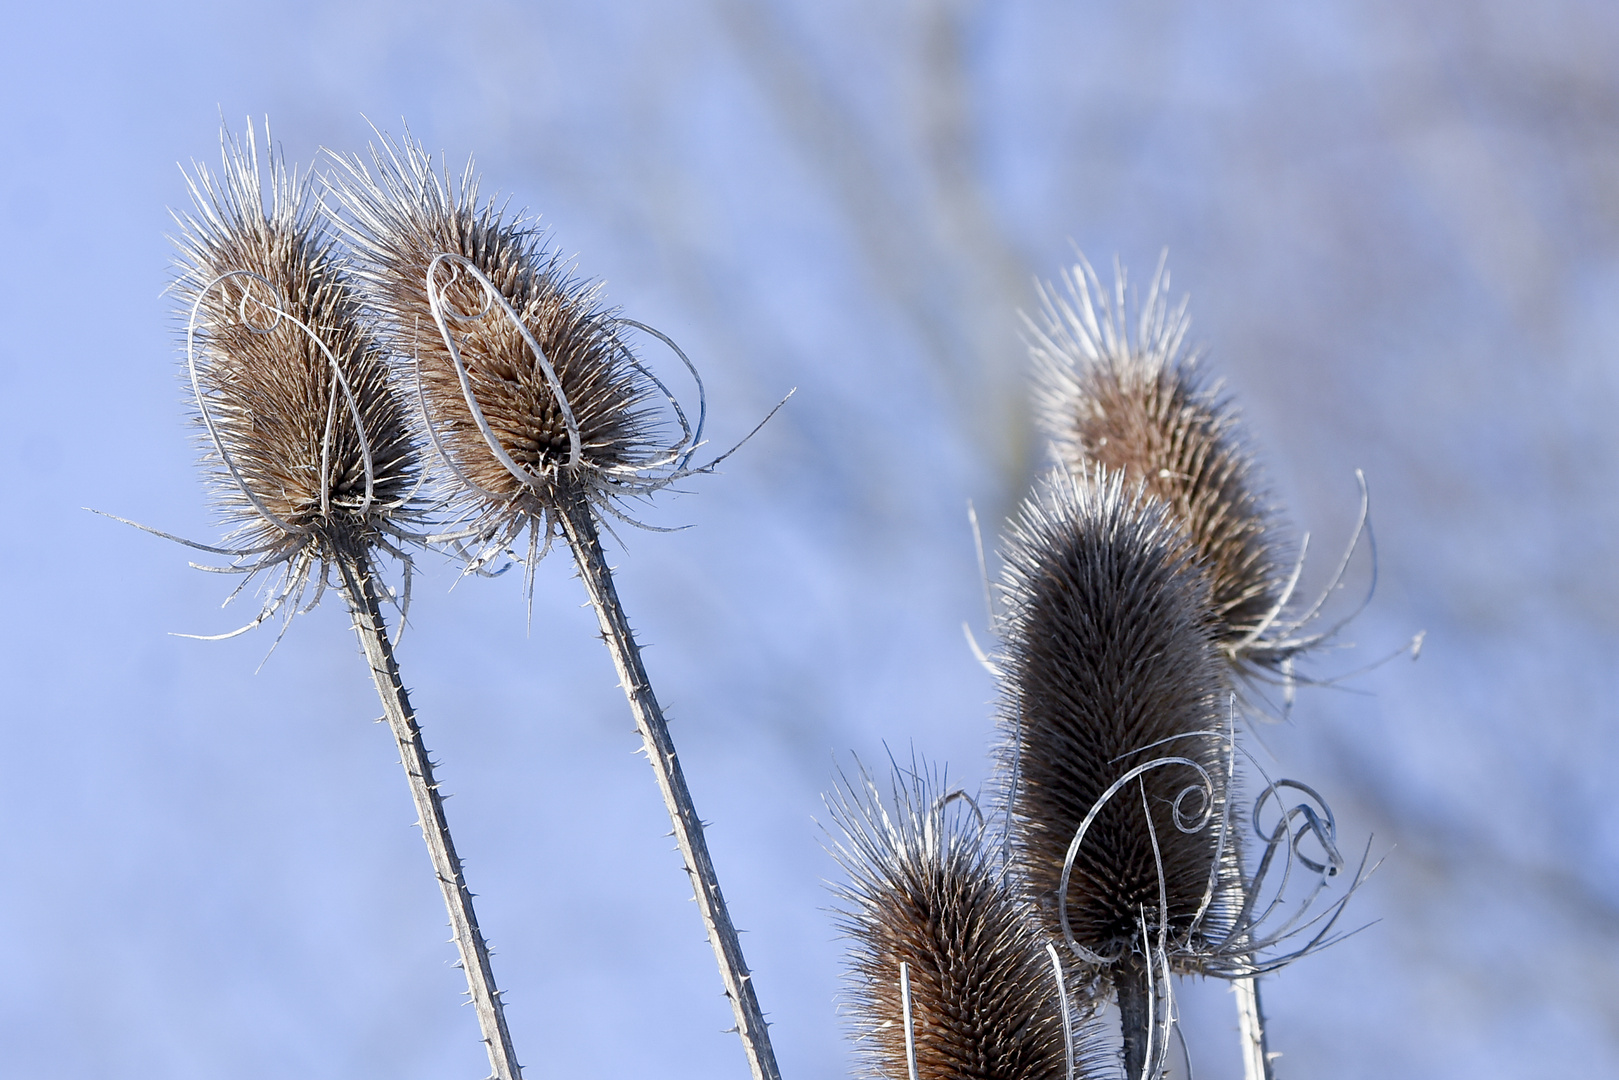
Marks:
<point>1110,663</point>
<point>448,275</point>
<point>282,363</point>
<point>924,890</point>
<point>1141,405</point>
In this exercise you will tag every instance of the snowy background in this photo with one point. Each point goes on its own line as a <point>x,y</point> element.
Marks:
<point>1399,226</point>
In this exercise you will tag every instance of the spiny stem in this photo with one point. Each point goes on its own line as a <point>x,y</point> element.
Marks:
<point>360,587</point>
<point>1132,980</point>
<point>579,522</point>
<point>1251,1027</point>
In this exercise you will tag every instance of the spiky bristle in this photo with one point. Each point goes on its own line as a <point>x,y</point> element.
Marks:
<point>270,311</point>
<point>1110,664</point>
<point>1141,405</point>
<point>924,890</point>
<point>407,224</point>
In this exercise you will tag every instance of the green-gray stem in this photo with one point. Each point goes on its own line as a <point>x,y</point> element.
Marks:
<point>365,606</point>
<point>579,522</point>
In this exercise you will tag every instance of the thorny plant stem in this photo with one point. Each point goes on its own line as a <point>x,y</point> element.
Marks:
<point>1132,981</point>
<point>360,587</point>
<point>1251,1028</point>
<point>579,522</point>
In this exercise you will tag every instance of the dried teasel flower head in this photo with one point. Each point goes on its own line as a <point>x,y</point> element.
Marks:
<point>311,452</point>
<point>530,392</point>
<point>950,977</point>
<point>1119,754</point>
<point>1138,402</point>
<point>1118,779</point>
<point>1113,707</point>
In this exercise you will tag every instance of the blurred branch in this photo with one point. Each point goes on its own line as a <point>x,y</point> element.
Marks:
<point>944,266</point>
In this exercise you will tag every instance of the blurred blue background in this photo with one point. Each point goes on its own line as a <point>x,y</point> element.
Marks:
<point>1399,225</point>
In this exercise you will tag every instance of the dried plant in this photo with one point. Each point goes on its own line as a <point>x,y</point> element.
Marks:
<point>544,418</point>
<point>311,453</point>
<point>1138,402</point>
<point>1142,582</point>
<point>950,977</point>
<point>532,397</point>
<point>1119,779</point>
<point>1141,404</point>
<point>1120,759</point>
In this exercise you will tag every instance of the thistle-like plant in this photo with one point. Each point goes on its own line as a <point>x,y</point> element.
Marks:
<point>311,453</point>
<point>536,405</point>
<point>1135,400</point>
<point>1139,403</point>
<point>543,419</point>
<point>950,976</point>
<point>1120,757</point>
<point>1112,708</point>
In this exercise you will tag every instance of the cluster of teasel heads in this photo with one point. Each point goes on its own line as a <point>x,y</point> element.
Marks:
<point>380,362</point>
<point>1146,610</point>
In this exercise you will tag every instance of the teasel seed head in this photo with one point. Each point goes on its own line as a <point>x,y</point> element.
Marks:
<point>529,390</point>
<point>311,452</point>
<point>926,891</point>
<point>1141,404</point>
<point>1113,698</point>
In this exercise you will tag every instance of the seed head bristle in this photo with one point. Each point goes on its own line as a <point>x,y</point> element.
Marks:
<point>1110,664</point>
<point>308,442</point>
<point>925,890</point>
<point>468,291</point>
<point>1140,404</point>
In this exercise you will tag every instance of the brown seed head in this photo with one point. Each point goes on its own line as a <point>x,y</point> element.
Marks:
<point>1111,664</point>
<point>1142,406</point>
<point>924,890</point>
<point>308,443</point>
<point>493,328</point>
